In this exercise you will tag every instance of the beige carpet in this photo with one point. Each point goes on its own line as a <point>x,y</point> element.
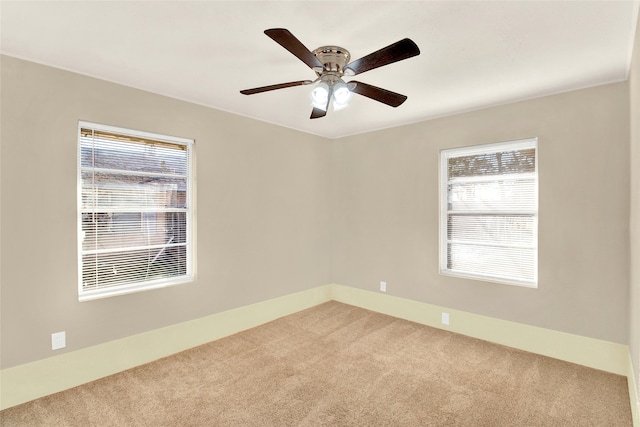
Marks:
<point>338,365</point>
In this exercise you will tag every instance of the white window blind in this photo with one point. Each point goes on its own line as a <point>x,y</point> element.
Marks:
<point>135,218</point>
<point>489,212</point>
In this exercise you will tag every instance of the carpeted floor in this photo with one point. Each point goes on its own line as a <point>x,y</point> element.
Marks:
<point>338,365</point>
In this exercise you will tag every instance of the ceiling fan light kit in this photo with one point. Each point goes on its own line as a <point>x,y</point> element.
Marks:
<point>331,64</point>
<point>341,95</point>
<point>320,95</point>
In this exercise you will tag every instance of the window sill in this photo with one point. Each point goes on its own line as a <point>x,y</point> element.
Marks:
<point>89,295</point>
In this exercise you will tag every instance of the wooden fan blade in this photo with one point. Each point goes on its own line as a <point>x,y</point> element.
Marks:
<point>288,41</point>
<point>378,94</point>
<point>395,52</point>
<point>274,87</point>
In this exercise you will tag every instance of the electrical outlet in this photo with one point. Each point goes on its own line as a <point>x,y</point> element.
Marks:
<point>383,286</point>
<point>445,318</point>
<point>58,340</point>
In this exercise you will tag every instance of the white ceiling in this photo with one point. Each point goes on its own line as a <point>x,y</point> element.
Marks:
<point>474,54</point>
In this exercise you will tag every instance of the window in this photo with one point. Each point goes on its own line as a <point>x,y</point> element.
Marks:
<point>135,214</point>
<point>489,212</point>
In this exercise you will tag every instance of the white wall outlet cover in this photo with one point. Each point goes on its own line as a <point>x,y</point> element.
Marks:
<point>445,318</point>
<point>58,340</point>
<point>383,286</point>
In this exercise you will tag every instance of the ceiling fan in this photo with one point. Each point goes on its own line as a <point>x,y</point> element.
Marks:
<point>331,64</point>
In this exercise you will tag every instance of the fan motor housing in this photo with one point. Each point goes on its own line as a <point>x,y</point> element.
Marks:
<point>333,59</point>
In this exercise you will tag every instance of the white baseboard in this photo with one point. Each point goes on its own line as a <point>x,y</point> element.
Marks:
<point>30,381</point>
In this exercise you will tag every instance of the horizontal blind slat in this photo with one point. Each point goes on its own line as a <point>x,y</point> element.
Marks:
<point>130,249</point>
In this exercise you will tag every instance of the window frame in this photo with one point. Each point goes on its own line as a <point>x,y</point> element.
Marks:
<point>127,288</point>
<point>445,155</point>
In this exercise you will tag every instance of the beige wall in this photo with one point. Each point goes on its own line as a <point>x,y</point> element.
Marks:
<point>262,211</point>
<point>634,299</point>
<point>281,211</point>
<point>385,212</point>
